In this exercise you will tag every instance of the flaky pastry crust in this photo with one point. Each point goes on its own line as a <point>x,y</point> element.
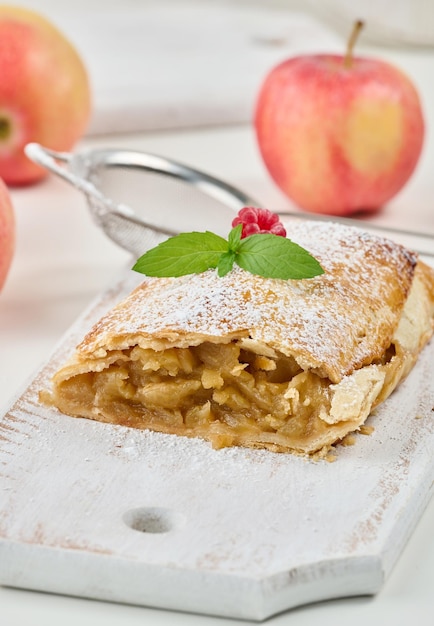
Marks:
<point>243,360</point>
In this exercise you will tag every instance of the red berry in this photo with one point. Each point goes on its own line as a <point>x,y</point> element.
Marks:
<point>256,221</point>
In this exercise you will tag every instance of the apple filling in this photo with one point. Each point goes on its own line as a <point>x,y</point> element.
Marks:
<point>227,393</point>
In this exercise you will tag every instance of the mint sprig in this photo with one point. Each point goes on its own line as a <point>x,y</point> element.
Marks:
<point>266,255</point>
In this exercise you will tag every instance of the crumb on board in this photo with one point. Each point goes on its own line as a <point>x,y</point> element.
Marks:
<point>366,430</point>
<point>348,440</point>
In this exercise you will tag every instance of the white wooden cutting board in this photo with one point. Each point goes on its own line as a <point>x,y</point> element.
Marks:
<point>117,514</point>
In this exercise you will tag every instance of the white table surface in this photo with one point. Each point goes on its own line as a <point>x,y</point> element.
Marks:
<point>62,261</point>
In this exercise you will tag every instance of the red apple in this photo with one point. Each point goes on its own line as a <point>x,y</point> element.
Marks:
<point>44,92</point>
<point>7,232</point>
<point>339,134</point>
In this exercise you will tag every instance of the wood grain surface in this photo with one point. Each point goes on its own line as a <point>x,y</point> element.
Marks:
<point>100,511</point>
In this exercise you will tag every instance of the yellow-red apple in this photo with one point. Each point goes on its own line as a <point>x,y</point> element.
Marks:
<point>7,232</point>
<point>339,134</point>
<point>44,92</point>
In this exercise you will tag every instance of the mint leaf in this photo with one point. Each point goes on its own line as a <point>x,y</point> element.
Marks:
<point>226,263</point>
<point>234,237</point>
<point>187,253</point>
<point>273,256</point>
<point>264,254</point>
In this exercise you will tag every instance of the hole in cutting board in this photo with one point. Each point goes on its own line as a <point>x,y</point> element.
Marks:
<point>153,519</point>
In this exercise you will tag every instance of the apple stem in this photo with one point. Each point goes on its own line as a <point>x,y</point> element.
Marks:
<point>5,128</point>
<point>348,59</point>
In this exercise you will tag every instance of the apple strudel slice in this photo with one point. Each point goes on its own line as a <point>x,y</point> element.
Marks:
<point>288,365</point>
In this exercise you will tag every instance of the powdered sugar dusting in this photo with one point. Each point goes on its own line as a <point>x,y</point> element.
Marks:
<point>333,322</point>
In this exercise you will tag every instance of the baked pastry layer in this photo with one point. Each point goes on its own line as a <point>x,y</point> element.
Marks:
<point>243,360</point>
